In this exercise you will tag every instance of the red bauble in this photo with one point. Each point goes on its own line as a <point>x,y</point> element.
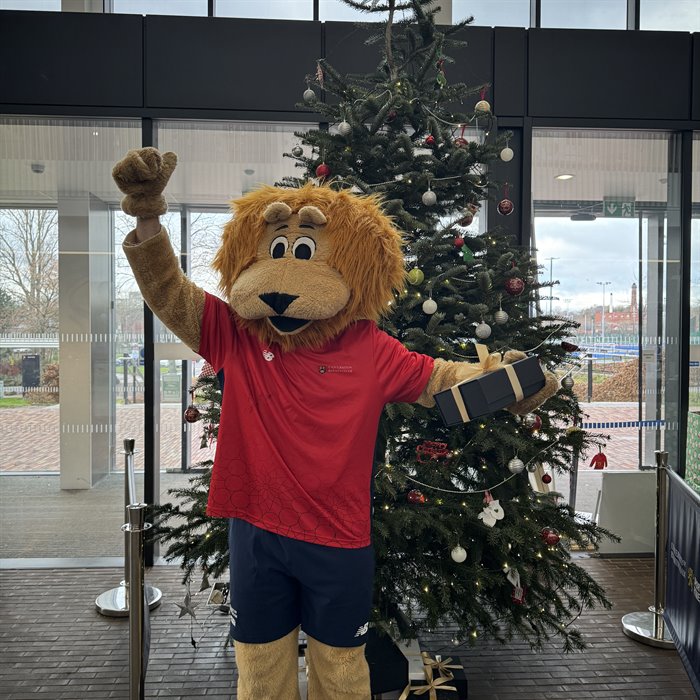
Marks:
<point>415,497</point>
<point>550,536</point>
<point>536,425</point>
<point>391,115</point>
<point>514,286</point>
<point>461,142</point>
<point>466,220</point>
<point>323,170</point>
<point>429,140</point>
<point>546,478</point>
<point>192,414</point>
<point>459,241</point>
<point>505,207</point>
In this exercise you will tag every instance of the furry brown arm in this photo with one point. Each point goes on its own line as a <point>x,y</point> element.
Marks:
<point>178,302</point>
<point>447,373</point>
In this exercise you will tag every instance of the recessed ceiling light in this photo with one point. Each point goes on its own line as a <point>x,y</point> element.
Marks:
<point>563,176</point>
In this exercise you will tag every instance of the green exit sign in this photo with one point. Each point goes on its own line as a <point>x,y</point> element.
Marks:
<point>618,208</point>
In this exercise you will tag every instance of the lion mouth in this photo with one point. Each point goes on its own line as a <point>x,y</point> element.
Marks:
<point>285,324</point>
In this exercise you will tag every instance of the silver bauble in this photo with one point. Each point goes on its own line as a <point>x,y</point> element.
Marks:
<point>568,382</point>
<point>429,198</point>
<point>459,554</point>
<point>516,465</point>
<point>344,128</point>
<point>429,306</point>
<point>529,420</point>
<point>483,331</point>
<point>309,95</point>
<point>532,467</point>
<point>297,151</point>
<point>500,317</point>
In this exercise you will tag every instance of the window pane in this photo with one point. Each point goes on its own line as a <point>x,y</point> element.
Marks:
<point>191,8</point>
<point>493,13</point>
<point>337,11</point>
<point>671,15</point>
<point>615,271</point>
<point>271,9</point>
<point>62,354</point>
<point>45,5</point>
<point>692,461</point>
<point>585,14</point>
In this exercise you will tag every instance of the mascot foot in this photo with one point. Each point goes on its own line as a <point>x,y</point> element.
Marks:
<point>337,673</point>
<point>269,671</point>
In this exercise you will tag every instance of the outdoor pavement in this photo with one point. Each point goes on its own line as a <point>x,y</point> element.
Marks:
<point>55,646</point>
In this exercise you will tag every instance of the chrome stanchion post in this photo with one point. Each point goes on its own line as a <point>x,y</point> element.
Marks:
<point>115,602</point>
<point>134,529</point>
<point>648,626</point>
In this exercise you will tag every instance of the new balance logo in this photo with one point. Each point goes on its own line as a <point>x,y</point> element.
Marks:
<point>361,631</point>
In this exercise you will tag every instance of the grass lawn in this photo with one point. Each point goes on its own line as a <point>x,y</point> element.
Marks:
<point>13,402</point>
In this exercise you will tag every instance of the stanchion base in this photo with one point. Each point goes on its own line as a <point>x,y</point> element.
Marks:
<point>640,627</point>
<point>112,603</point>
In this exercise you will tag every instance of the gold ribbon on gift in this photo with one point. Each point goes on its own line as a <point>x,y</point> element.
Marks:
<point>487,363</point>
<point>442,667</point>
<point>431,687</point>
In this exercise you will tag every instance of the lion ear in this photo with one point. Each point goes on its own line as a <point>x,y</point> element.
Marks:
<point>277,211</point>
<point>312,214</point>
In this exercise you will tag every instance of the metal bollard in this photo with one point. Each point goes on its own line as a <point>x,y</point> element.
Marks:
<point>134,529</point>
<point>115,602</point>
<point>648,626</point>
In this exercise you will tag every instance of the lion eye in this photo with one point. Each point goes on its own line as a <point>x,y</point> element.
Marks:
<point>279,247</point>
<point>304,248</point>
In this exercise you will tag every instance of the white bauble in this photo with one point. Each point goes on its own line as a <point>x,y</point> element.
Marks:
<point>344,128</point>
<point>483,331</point>
<point>459,554</point>
<point>482,106</point>
<point>507,154</point>
<point>500,317</point>
<point>429,306</point>
<point>429,198</point>
<point>516,465</point>
<point>309,95</point>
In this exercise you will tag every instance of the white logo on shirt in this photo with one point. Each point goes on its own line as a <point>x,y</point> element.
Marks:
<point>362,630</point>
<point>234,616</point>
<point>269,356</point>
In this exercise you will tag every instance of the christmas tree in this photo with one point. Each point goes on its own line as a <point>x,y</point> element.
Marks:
<point>466,530</point>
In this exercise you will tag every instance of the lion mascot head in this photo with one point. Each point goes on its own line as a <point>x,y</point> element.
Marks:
<point>298,266</point>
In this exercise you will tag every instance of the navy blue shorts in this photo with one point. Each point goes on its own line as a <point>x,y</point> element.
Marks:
<point>278,583</point>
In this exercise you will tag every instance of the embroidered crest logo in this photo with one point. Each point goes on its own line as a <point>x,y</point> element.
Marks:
<point>322,369</point>
<point>269,356</point>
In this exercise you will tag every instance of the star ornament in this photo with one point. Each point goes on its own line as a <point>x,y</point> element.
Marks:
<point>187,607</point>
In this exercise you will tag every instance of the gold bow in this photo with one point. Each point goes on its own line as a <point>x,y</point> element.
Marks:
<point>487,363</point>
<point>432,686</point>
<point>442,667</point>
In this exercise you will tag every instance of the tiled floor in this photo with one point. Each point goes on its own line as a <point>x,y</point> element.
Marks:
<point>54,645</point>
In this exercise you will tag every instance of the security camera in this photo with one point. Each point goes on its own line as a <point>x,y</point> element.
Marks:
<point>38,168</point>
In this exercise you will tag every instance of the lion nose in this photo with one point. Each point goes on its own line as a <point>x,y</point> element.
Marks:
<point>278,302</point>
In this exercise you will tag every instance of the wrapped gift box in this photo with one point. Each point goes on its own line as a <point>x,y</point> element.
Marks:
<point>489,392</point>
<point>449,666</point>
<point>388,667</point>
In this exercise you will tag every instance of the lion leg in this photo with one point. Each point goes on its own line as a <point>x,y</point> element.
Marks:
<point>269,671</point>
<point>337,673</point>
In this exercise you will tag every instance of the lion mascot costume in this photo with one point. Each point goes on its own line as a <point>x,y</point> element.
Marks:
<point>305,273</point>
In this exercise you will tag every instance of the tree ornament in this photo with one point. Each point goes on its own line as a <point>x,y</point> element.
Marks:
<point>192,414</point>
<point>460,141</point>
<point>440,78</point>
<point>599,461</point>
<point>483,331</point>
<point>391,116</point>
<point>546,478</point>
<point>516,465</point>
<point>484,281</point>
<point>467,253</point>
<point>415,276</point>
<point>482,106</point>
<point>344,128</point>
<point>431,450</point>
<point>309,95</point>
<point>514,286</point>
<point>459,241</point>
<point>529,419</point>
<point>466,220</point>
<point>569,347</point>
<point>517,595</point>
<point>429,197</point>
<point>568,382</point>
<point>507,154</point>
<point>430,140</point>
<point>416,497</point>
<point>505,206</point>
<point>536,423</point>
<point>500,317</point>
<point>323,170</point>
<point>297,151</point>
<point>459,554</point>
<point>532,467</point>
<point>550,536</point>
<point>472,208</point>
<point>491,513</point>
<point>429,306</point>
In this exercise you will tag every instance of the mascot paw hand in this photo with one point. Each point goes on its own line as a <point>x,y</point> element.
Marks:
<point>142,176</point>
<point>530,403</point>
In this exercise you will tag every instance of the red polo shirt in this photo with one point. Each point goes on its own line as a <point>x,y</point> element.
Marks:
<point>297,432</point>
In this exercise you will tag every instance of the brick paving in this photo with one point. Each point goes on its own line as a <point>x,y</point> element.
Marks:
<point>54,645</point>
